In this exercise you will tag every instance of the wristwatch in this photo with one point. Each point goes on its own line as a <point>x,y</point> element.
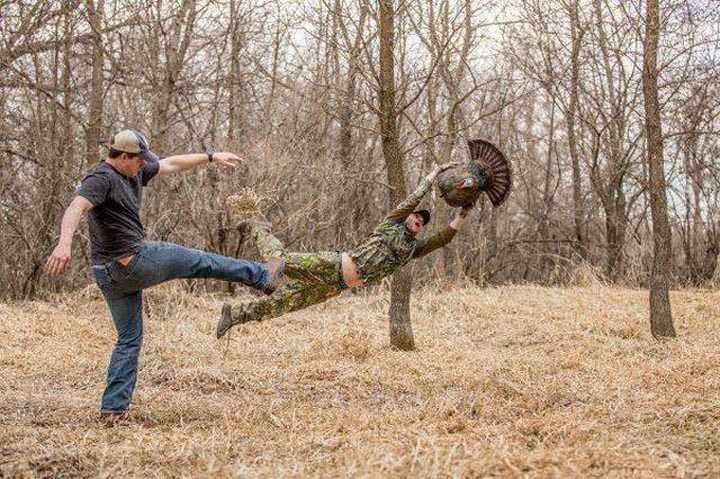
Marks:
<point>210,152</point>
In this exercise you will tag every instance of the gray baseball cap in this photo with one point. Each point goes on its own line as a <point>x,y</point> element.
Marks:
<point>132,141</point>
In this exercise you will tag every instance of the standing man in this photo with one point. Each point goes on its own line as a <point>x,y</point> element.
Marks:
<point>124,264</point>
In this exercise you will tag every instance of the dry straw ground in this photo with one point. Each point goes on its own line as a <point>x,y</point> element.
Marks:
<point>515,381</point>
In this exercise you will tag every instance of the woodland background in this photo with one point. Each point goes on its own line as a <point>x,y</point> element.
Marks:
<point>294,87</point>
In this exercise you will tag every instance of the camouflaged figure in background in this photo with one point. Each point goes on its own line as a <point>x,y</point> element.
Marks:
<point>317,277</point>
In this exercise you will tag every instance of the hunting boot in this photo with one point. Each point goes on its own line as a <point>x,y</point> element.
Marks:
<point>226,320</point>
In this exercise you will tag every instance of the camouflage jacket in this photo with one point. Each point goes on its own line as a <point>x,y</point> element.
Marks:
<point>391,245</point>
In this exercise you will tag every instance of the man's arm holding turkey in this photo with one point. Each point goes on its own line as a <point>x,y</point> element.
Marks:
<point>404,209</point>
<point>445,235</point>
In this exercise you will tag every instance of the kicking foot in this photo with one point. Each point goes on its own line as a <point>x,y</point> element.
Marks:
<point>276,268</point>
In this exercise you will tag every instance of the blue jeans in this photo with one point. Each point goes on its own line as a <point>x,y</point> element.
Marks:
<point>122,287</point>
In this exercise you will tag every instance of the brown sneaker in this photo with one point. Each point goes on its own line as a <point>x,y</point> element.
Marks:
<point>114,418</point>
<point>276,268</point>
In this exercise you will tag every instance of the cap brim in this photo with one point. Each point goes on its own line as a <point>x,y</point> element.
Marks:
<point>149,156</point>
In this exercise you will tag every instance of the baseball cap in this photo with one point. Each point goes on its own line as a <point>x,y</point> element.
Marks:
<point>132,141</point>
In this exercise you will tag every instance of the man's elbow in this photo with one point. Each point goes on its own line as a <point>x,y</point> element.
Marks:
<point>167,167</point>
<point>81,204</point>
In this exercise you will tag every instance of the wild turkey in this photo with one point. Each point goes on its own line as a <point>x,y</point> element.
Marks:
<point>486,171</point>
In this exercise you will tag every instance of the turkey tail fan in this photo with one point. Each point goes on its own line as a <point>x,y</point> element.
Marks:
<point>497,168</point>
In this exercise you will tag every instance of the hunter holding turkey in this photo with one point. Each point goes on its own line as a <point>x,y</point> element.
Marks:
<point>316,277</point>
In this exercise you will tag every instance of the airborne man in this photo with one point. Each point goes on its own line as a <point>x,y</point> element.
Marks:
<point>317,277</point>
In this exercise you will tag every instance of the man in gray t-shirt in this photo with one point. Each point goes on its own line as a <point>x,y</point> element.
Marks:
<point>114,221</point>
<point>124,263</point>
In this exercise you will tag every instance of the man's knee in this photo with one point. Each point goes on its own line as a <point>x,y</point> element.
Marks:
<point>129,344</point>
<point>201,264</point>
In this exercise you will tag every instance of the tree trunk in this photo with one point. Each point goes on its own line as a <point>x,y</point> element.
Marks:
<point>95,123</point>
<point>233,129</point>
<point>615,229</point>
<point>715,271</point>
<point>545,261</point>
<point>661,324</point>
<point>176,48</point>
<point>401,334</point>
<point>577,33</point>
<point>350,194</point>
<point>444,213</point>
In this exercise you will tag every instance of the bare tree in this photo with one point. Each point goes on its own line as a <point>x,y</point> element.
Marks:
<point>577,33</point>
<point>171,56</point>
<point>401,334</point>
<point>94,130</point>
<point>296,90</point>
<point>661,324</point>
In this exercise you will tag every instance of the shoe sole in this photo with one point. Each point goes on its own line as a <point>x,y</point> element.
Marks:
<point>225,322</point>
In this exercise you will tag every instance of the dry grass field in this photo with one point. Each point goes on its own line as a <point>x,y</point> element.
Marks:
<point>506,382</point>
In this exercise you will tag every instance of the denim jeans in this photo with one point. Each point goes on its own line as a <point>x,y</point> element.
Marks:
<point>122,287</point>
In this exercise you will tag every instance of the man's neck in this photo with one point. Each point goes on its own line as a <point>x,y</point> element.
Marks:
<point>113,162</point>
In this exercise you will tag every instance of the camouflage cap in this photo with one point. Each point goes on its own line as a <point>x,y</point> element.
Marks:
<point>425,216</point>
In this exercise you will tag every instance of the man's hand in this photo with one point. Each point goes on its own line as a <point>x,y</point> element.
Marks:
<point>460,216</point>
<point>465,210</point>
<point>226,158</point>
<point>59,260</point>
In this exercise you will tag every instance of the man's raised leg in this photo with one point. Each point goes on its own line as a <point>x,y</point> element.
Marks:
<point>157,262</point>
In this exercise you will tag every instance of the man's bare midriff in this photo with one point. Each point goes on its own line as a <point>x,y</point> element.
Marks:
<point>125,260</point>
<point>349,272</point>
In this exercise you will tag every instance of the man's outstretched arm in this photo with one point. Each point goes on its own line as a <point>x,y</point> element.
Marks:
<point>444,236</point>
<point>179,163</point>
<point>408,205</point>
<point>61,256</point>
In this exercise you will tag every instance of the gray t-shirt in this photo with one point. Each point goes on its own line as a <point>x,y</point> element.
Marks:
<point>114,220</point>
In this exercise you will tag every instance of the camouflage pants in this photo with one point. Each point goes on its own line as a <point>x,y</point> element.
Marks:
<point>312,278</point>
